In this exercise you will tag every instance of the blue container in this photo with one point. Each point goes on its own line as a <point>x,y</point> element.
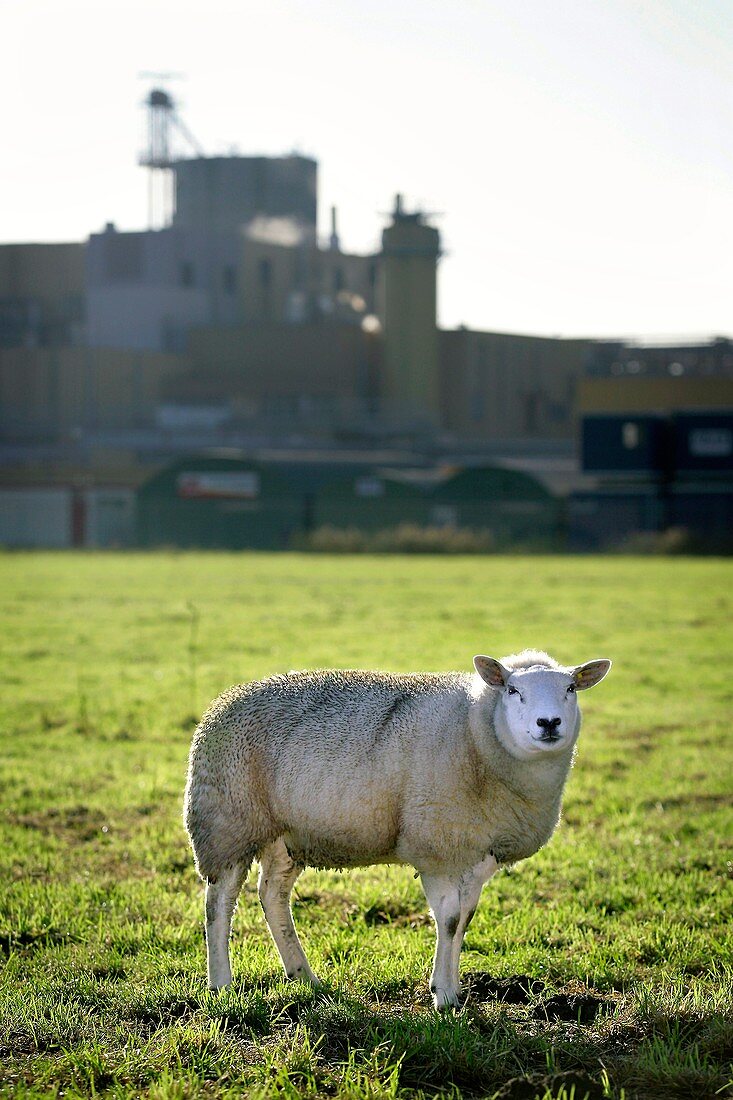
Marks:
<point>612,444</point>
<point>704,442</point>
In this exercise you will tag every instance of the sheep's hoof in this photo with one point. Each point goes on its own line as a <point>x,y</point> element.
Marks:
<point>445,998</point>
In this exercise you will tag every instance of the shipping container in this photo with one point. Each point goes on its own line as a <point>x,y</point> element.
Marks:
<point>613,444</point>
<point>704,442</point>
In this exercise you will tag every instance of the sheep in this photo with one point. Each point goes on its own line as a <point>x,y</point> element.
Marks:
<point>454,775</point>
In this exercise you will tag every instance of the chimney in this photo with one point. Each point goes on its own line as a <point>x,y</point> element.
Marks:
<point>411,378</point>
<point>334,244</point>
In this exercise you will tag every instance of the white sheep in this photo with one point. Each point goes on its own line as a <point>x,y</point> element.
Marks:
<point>452,774</point>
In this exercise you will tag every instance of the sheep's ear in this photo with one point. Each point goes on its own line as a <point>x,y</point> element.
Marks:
<point>590,674</point>
<point>491,672</point>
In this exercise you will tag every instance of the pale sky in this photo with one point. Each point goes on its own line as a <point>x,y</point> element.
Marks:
<point>578,151</point>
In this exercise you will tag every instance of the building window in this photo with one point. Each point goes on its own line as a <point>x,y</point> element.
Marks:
<point>229,279</point>
<point>265,269</point>
<point>186,273</point>
<point>478,387</point>
<point>532,401</point>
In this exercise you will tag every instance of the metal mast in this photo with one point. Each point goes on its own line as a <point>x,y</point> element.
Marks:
<point>159,157</point>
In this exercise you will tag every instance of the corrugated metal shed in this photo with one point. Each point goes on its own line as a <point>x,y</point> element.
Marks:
<point>371,500</point>
<point>216,502</point>
<point>511,504</point>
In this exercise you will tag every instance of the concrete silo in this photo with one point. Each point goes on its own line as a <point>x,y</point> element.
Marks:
<point>222,194</point>
<point>410,252</point>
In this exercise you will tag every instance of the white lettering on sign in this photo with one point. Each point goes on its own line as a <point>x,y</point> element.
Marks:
<point>239,484</point>
<point>630,435</point>
<point>711,442</point>
<point>369,487</point>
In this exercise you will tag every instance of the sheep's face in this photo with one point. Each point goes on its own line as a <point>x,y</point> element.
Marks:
<point>537,710</point>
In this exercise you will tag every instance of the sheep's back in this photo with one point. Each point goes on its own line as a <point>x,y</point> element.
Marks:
<point>353,717</point>
<point>332,711</point>
<point>328,754</point>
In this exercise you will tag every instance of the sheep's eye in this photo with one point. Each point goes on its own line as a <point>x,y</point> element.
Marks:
<point>512,691</point>
<point>571,689</point>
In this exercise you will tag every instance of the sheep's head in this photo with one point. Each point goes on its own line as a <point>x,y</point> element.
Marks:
<point>537,709</point>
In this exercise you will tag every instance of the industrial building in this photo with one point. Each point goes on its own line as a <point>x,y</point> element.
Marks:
<point>228,324</point>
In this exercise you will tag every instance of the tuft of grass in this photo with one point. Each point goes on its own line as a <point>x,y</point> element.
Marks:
<point>600,968</point>
<point>406,538</point>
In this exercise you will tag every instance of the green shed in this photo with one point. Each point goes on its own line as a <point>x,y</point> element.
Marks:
<point>514,506</point>
<point>214,502</point>
<point>371,500</point>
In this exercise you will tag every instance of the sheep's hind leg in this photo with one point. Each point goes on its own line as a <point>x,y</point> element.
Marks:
<point>221,898</point>
<point>277,877</point>
<point>445,904</point>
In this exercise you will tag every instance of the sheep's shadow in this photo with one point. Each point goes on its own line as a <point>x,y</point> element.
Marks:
<point>479,986</point>
<point>472,1049</point>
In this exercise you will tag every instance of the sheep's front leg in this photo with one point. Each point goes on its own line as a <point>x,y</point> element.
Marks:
<point>445,904</point>
<point>221,897</point>
<point>469,892</point>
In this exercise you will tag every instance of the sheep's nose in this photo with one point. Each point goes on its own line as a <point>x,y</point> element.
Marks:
<point>549,724</point>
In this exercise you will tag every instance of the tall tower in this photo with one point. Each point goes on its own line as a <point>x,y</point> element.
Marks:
<point>158,156</point>
<point>410,252</point>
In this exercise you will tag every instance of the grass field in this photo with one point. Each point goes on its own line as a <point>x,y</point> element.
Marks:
<point>603,966</point>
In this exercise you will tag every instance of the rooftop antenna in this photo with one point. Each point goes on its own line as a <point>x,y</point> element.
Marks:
<point>159,157</point>
<point>333,241</point>
<point>399,213</point>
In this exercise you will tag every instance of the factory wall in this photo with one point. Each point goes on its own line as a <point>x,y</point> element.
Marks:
<point>145,290</point>
<point>60,393</point>
<point>616,360</point>
<point>42,289</point>
<point>143,318</point>
<point>338,278</point>
<point>498,387</point>
<point>269,275</point>
<point>634,394</point>
<point>288,374</point>
<point>297,284</point>
<point>50,272</point>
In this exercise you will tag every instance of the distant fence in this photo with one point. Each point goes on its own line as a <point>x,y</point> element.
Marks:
<point>260,508</point>
<point>62,517</point>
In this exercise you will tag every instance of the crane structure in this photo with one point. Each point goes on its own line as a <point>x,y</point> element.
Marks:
<point>159,156</point>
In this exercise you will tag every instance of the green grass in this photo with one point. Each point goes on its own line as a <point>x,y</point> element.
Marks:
<point>609,952</point>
